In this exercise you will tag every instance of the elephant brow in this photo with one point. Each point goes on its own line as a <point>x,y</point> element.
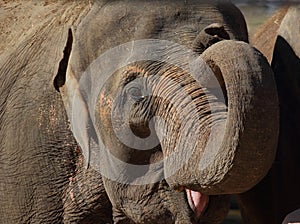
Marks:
<point>131,73</point>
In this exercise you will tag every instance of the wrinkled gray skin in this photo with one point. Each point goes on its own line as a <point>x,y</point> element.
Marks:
<point>242,72</point>
<point>44,176</point>
<point>278,193</point>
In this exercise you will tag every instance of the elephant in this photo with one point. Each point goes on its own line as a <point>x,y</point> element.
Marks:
<point>277,195</point>
<point>117,118</point>
<point>164,139</point>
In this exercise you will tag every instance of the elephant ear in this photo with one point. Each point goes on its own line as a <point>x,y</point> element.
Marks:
<point>75,102</point>
<point>210,35</point>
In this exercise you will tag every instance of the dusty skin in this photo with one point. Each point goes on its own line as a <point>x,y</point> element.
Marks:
<point>68,188</point>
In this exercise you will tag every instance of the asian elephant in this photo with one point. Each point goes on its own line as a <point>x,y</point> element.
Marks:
<point>163,104</point>
<point>277,194</point>
<point>149,97</point>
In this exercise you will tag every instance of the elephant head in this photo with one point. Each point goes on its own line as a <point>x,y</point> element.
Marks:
<point>171,105</point>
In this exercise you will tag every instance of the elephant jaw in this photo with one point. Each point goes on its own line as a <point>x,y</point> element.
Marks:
<point>197,201</point>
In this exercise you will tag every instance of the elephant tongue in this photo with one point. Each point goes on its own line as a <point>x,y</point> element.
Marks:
<point>197,201</point>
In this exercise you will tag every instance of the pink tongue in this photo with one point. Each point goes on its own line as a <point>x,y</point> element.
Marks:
<point>197,201</point>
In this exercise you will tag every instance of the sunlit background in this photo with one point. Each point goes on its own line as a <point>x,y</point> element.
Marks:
<point>257,12</point>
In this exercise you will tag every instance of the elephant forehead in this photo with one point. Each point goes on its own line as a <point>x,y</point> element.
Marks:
<point>118,22</point>
<point>144,19</point>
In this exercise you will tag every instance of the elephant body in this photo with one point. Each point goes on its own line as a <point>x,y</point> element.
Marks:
<point>59,136</point>
<point>269,29</point>
<point>43,178</point>
<point>277,194</point>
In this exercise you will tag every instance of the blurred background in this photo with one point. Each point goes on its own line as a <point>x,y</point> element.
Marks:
<point>256,12</point>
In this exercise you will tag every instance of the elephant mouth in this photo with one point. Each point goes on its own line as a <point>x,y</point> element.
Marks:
<point>198,202</point>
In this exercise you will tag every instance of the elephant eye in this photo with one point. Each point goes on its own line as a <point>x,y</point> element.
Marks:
<point>135,93</point>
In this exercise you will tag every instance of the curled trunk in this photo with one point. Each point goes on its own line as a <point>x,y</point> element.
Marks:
<point>236,139</point>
